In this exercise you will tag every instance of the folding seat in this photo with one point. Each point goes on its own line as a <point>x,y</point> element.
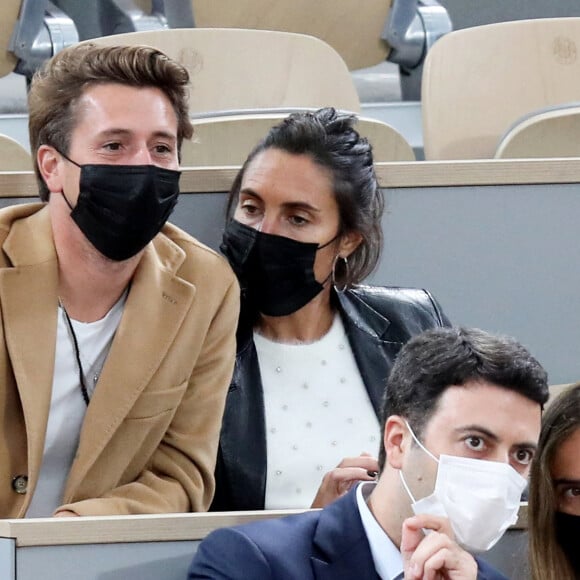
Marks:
<point>548,132</point>
<point>234,69</point>
<point>363,33</point>
<point>227,139</point>
<point>13,156</point>
<point>478,81</point>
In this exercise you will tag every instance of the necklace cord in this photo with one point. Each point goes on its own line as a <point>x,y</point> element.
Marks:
<point>73,335</point>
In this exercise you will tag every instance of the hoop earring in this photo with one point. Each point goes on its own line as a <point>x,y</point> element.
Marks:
<point>333,274</point>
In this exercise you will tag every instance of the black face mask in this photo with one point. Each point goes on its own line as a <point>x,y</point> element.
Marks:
<point>121,208</point>
<point>567,534</point>
<point>276,273</point>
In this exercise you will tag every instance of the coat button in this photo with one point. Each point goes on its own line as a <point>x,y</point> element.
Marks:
<point>20,483</point>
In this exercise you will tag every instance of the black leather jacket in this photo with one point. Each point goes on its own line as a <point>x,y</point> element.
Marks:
<point>377,321</point>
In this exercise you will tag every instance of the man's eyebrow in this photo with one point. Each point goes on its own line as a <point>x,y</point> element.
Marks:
<point>289,205</point>
<point>120,132</point>
<point>479,429</point>
<point>490,435</point>
<point>114,132</point>
<point>166,134</point>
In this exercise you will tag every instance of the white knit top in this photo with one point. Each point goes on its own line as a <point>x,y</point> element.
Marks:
<point>317,412</point>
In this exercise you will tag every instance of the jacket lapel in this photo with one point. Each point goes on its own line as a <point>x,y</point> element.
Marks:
<point>244,486</point>
<point>244,420</point>
<point>156,306</point>
<point>28,298</point>
<point>343,551</point>
<point>373,348</point>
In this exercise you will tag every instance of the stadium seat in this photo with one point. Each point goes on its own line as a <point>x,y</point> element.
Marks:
<point>556,390</point>
<point>363,33</point>
<point>9,10</point>
<point>478,81</point>
<point>30,33</point>
<point>13,157</point>
<point>549,132</point>
<point>252,69</point>
<point>352,28</point>
<point>227,139</point>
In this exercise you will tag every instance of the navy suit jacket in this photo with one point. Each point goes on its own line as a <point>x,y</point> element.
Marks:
<point>329,544</point>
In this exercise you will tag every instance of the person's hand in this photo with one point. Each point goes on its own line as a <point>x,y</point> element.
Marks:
<point>65,514</point>
<point>348,472</point>
<point>435,556</point>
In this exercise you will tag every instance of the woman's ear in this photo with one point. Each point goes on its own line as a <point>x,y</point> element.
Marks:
<point>50,166</point>
<point>394,440</point>
<point>349,242</point>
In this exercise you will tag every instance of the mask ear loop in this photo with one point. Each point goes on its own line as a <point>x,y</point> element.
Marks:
<point>333,273</point>
<point>401,476</point>
<point>66,200</point>
<point>74,163</point>
<point>419,443</point>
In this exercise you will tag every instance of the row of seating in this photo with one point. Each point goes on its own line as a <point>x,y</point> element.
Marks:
<point>234,102</point>
<point>505,90</point>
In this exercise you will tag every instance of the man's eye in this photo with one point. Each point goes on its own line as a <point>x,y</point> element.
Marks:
<point>524,456</point>
<point>112,146</point>
<point>475,443</point>
<point>162,149</point>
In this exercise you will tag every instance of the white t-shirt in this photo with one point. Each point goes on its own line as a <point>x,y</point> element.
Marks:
<point>317,412</point>
<point>67,406</point>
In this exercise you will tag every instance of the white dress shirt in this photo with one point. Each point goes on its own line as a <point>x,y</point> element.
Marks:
<point>386,557</point>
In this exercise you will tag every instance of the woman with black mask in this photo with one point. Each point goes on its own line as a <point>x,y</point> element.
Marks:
<point>314,347</point>
<point>554,501</point>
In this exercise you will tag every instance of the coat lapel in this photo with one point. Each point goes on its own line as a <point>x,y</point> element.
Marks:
<point>28,298</point>
<point>373,348</point>
<point>244,420</point>
<point>156,306</point>
<point>342,547</point>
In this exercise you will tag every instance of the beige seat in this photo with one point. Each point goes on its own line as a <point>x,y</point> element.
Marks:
<point>250,69</point>
<point>556,390</point>
<point>478,81</point>
<point>13,157</point>
<point>353,28</point>
<point>227,140</point>
<point>554,132</point>
<point>9,10</point>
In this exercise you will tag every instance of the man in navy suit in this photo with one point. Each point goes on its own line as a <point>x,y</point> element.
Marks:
<point>461,420</point>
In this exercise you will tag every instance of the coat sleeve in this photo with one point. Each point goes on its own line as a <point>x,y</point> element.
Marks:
<point>179,476</point>
<point>230,554</point>
<point>487,572</point>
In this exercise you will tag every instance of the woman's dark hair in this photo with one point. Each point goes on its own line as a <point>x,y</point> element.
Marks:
<point>330,140</point>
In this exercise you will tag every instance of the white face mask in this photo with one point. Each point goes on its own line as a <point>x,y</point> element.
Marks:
<point>480,498</point>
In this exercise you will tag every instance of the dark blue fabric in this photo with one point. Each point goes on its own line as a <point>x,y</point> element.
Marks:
<point>322,545</point>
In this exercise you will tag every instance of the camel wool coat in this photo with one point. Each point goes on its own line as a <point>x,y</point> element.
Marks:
<point>149,438</point>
